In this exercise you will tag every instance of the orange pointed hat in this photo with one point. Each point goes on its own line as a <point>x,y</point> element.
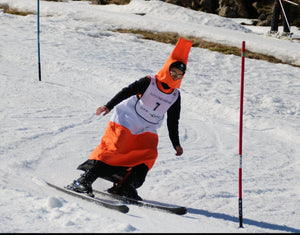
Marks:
<point>179,53</point>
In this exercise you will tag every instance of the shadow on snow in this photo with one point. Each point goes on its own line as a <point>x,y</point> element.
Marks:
<point>245,221</point>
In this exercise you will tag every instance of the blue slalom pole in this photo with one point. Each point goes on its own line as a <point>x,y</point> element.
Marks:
<point>38,38</point>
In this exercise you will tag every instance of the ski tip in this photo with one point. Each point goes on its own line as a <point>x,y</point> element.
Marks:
<point>124,209</point>
<point>180,211</point>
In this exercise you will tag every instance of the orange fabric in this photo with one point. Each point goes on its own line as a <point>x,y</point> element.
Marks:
<point>179,53</point>
<point>118,147</point>
<point>160,87</point>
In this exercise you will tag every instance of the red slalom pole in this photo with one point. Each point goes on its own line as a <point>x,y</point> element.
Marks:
<point>241,135</point>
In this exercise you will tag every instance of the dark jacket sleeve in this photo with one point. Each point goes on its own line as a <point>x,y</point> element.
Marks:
<point>138,87</point>
<point>173,121</point>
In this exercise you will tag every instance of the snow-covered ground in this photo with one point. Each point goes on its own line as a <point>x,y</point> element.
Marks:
<point>48,128</point>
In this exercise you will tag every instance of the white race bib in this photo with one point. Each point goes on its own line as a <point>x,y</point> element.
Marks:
<point>154,103</point>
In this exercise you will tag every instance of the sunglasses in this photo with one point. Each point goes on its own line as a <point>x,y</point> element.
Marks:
<point>175,75</point>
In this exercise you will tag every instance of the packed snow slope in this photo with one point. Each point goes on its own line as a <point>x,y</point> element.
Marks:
<point>49,127</point>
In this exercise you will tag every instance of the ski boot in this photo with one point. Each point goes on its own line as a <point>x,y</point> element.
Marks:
<point>125,190</point>
<point>286,35</point>
<point>127,184</point>
<point>84,183</point>
<point>273,33</point>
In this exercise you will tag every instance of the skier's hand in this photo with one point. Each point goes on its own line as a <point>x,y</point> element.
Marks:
<point>179,150</point>
<point>103,109</point>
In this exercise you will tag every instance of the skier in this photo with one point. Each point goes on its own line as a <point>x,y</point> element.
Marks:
<point>128,148</point>
<point>275,18</point>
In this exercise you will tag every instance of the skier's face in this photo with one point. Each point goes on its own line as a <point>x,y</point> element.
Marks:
<point>176,73</point>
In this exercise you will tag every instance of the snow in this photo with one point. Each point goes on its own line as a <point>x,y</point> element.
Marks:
<point>48,128</point>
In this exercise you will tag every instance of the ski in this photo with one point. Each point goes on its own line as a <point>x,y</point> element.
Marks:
<point>98,201</point>
<point>178,210</point>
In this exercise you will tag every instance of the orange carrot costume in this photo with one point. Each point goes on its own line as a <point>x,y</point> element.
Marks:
<point>130,138</point>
